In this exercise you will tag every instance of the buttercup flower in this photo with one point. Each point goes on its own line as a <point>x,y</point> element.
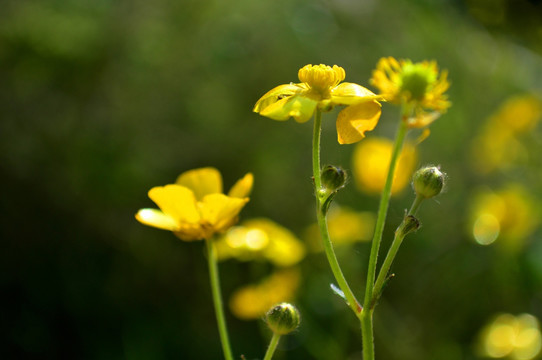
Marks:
<point>194,208</point>
<point>416,84</point>
<point>321,88</point>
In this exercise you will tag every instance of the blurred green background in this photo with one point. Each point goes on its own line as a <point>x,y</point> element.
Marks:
<point>102,100</point>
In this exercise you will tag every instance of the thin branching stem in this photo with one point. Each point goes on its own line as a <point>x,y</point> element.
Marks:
<point>322,221</point>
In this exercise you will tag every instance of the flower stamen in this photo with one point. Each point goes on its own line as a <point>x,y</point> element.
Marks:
<point>321,78</point>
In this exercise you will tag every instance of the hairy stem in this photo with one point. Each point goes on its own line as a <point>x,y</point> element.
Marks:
<point>322,222</point>
<point>272,346</point>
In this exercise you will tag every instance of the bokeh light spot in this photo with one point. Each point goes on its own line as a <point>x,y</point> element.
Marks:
<point>486,229</point>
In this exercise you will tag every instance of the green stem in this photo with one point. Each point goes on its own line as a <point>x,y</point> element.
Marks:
<point>217,299</point>
<point>366,330</point>
<point>392,252</point>
<point>272,346</point>
<point>322,222</point>
<point>368,337</point>
<point>382,276</point>
<point>416,205</point>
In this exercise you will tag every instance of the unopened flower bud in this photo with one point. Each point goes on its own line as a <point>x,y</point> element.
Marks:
<point>333,178</point>
<point>283,318</point>
<point>428,181</point>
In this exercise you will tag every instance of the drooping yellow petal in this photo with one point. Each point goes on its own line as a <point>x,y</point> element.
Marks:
<point>176,201</point>
<point>220,211</point>
<point>354,120</point>
<point>242,187</point>
<point>276,94</point>
<point>202,181</point>
<point>350,94</point>
<point>422,119</point>
<point>157,219</point>
<point>299,107</point>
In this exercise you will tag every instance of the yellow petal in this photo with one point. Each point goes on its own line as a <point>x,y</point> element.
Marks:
<point>275,95</point>
<point>177,202</point>
<point>202,181</point>
<point>156,218</point>
<point>242,187</point>
<point>354,120</point>
<point>422,119</point>
<point>220,211</point>
<point>350,94</point>
<point>299,107</point>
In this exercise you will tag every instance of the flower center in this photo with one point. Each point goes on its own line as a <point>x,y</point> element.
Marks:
<point>416,79</point>
<point>321,78</point>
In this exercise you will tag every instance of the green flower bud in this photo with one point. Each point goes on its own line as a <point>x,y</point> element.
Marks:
<point>283,318</point>
<point>428,181</point>
<point>333,178</point>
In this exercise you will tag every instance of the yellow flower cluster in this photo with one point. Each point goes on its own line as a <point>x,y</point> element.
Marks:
<point>418,85</point>
<point>321,88</point>
<point>499,145</point>
<point>194,208</point>
<point>511,337</point>
<point>370,163</point>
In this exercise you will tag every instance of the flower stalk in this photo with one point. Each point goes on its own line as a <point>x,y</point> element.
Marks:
<point>367,316</point>
<point>408,225</point>
<point>322,220</point>
<point>217,299</point>
<point>272,346</point>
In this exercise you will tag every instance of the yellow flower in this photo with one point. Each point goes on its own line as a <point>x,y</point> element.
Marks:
<point>261,239</point>
<point>513,337</point>
<point>253,301</point>
<point>370,163</point>
<point>321,88</point>
<point>416,84</point>
<point>194,208</point>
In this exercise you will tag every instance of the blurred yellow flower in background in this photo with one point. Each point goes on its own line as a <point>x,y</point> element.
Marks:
<point>253,301</point>
<point>513,337</point>
<point>345,226</point>
<point>416,84</point>
<point>509,214</point>
<point>370,162</point>
<point>261,239</point>
<point>499,145</point>
<point>194,208</point>
<point>321,88</point>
